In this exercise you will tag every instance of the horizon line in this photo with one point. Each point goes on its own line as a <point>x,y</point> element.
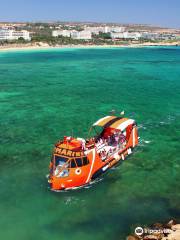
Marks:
<point>89,22</point>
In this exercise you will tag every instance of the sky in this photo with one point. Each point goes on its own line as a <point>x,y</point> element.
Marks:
<point>165,13</point>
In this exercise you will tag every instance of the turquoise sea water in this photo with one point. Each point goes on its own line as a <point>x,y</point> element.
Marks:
<point>50,93</point>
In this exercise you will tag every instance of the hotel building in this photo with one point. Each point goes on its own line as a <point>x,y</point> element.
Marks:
<point>126,35</point>
<point>64,33</point>
<point>86,35</point>
<point>7,34</point>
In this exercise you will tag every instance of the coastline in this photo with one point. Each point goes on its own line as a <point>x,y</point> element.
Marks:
<point>44,46</point>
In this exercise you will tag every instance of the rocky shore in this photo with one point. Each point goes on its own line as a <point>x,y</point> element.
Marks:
<point>158,231</point>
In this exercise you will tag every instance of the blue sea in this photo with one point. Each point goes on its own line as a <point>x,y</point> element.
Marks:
<point>46,94</point>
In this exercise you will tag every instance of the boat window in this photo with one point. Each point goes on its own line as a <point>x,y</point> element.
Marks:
<point>73,163</point>
<point>85,161</point>
<point>79,162</point>
<point>60,160</point>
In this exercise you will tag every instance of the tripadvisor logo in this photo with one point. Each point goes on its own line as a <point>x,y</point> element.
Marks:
<point>139,231</point>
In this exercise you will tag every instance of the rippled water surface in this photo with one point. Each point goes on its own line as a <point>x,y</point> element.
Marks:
<point>50,93</point>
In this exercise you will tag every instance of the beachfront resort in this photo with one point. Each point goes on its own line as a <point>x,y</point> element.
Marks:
<point>58,34</point>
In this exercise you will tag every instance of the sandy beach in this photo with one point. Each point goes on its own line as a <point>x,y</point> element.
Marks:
<point>42,46</point>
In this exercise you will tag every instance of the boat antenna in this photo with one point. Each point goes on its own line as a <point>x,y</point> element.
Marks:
<point>90,129</point>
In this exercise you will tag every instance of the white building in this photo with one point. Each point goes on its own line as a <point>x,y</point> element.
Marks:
<point>21,34</point>
<point>104,29</point>
<point>95,30</point>
<point>7,34</point>
<point>64,33</point>
<point>73,34</point>
<point>150,35</point>
<point>132,35</point>
<point>86,35</point>
<point>116,35</point>
<point>116,29</point>
<point>126,35</point>
<point>158,36</point>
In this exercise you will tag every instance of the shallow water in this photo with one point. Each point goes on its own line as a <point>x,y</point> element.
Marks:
<point>50,93</point>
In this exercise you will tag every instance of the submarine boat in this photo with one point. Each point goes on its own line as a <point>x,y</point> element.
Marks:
<point>76,162</point>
